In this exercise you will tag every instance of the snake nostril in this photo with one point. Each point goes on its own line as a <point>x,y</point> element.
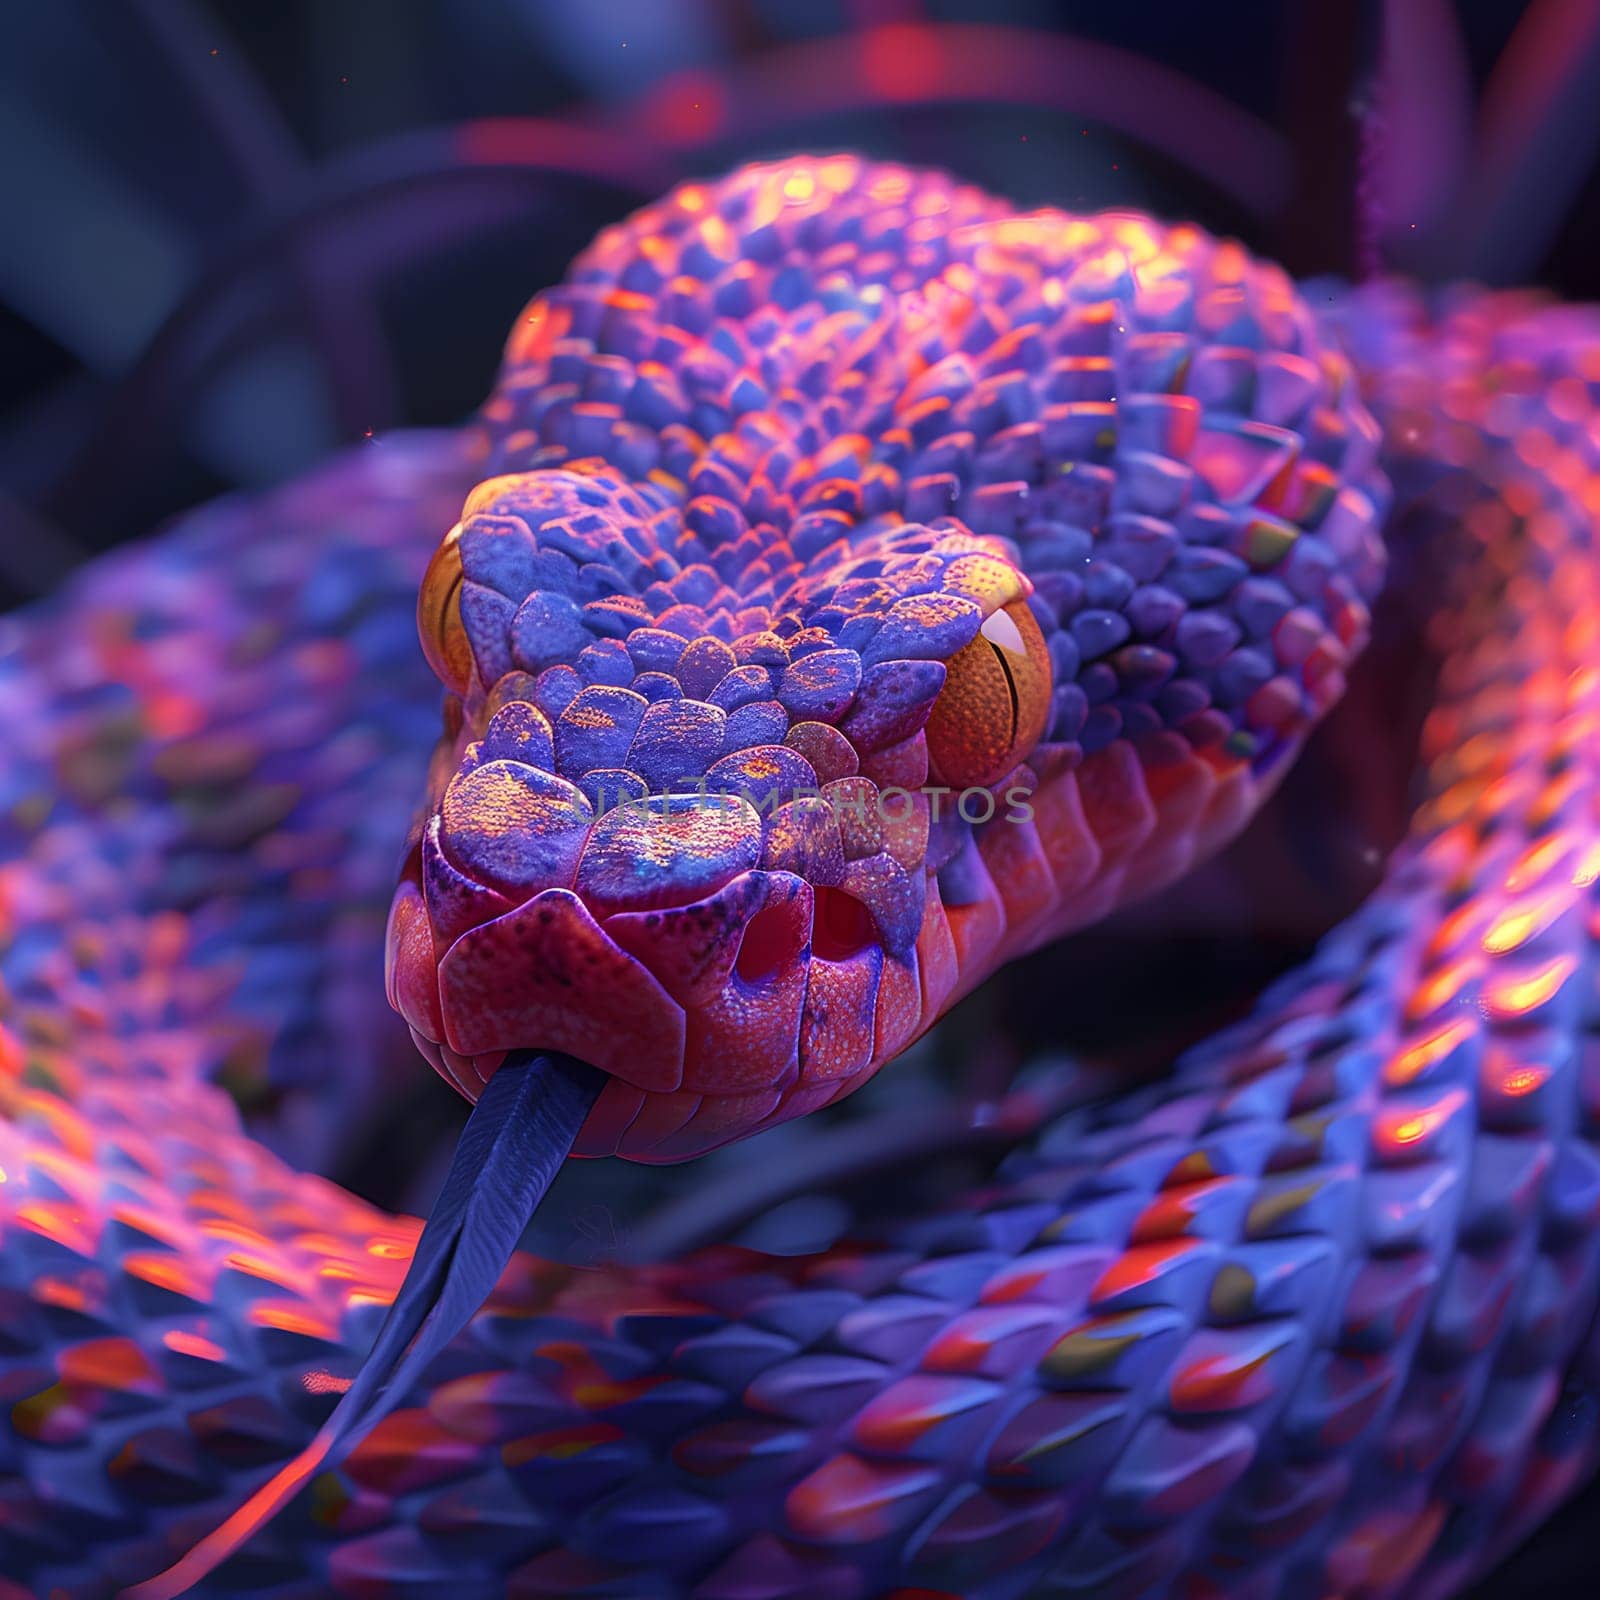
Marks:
<point>842,926</point>
<point>774,937</point>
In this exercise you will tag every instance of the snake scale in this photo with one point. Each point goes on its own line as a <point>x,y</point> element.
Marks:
<point>824,482</point>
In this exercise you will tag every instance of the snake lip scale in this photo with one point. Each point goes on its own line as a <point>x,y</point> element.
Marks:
<point>823,482</point>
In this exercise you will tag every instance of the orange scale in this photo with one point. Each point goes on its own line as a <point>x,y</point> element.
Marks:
<point>748,1038</point>
<point>938,967</point>
<point>1540,859</point>
<point>1116,800</point>
<point>115,1363</point>
<point>1508,998</point>
<point>1070,847</point>
<point>848,1501</point>
<point>1524,920</point>
<point>977,928</point>
<point>838,1026</point>
<point>1413,1062</point>
<point>176,1274</point>
<point>1020,869</point>
<point>267,1269</point>
<point>1413,1131</point>
<point>1442,986</point>
<point>293,1316</point>
<point>1141,1264</point>
<point>64,1223</point>
<point>1171,1213</point>
<point>899,1007</point>
<point>406,1451</point>
<point>193,1344</point>
<point>560,1444</point>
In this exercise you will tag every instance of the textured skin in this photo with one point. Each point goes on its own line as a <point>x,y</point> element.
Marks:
<point>759,470</point>
<point>1312,1317</point>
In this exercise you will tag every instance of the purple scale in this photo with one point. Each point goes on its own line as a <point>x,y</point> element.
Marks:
<point>1259,603</point>
<point>703,665</point>
<point>859,632</point>
<point>1308,567</point>
<point>1296,635</point>
<point>1204,637</point>
<point>487,616</point>
<point>1286,385</point>
<point>765,775</point>
<point>1061,591</point>
<point>1065,657</point>
<point>1154,609</point>
<point>714,520</point>
<point>656,686</point>
<point>892,703</point>
<point>547,630</point>
<point>605,661</point>
<point>1098,682</point>
<point>735,294</point>
<point>997,508</point>
<point>1105,585</point>
<point>557,688</point>
<point>932,626</point>
<point>1153,362</point>
<point>1080,430</point>
<point>512,824</point>
<point>656,401</point>
<point>518,731</point>
<point>1137,718</point>
<point>757,722</point>
<point>1098,631</point>
<point>498,552</point>
<point>1013,453</point>
<point>1101,727</point>
<point>616,616</point>
<point>676,1527</point>
<point>1202,575</point>
<point>654,650</point>
<point>1240,675</point>
<point>815,530</point>
<point>677,740</point>
<point>1150,484</point>
<point>1142,668</point>
<point>1157,423</point>
<point>596,729</point>
<point>1181,699</point>
<point>609,787</point>
<point>819,686</point>
<point>741,687</point>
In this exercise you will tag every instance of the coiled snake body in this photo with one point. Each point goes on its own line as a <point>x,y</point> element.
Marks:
<point>826,481</point>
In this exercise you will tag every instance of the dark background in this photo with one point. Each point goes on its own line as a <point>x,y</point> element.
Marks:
<point>241,232</point>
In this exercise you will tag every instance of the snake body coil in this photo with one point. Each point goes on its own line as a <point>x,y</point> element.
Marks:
<point>1312,1316</point>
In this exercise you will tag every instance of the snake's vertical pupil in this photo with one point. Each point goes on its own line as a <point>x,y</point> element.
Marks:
<point>995,702</point>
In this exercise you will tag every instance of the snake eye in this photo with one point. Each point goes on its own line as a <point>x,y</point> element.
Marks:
<point>444,635</point>
<point>995,701</point>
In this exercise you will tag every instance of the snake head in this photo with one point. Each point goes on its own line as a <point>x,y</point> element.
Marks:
<point>692,834</point>
<point>767,740</point>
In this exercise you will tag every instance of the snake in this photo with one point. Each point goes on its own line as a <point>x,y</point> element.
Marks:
<point>851,584</point>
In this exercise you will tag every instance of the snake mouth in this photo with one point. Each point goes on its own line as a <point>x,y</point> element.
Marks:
<point>710,1017</point>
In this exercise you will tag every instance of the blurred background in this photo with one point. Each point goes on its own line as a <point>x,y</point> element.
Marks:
<point>242,233</point>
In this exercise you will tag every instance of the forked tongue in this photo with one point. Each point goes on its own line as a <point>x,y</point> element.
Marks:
<point>512,1147</point>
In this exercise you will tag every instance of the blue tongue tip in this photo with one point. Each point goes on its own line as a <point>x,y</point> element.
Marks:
<point>509,1153</point>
